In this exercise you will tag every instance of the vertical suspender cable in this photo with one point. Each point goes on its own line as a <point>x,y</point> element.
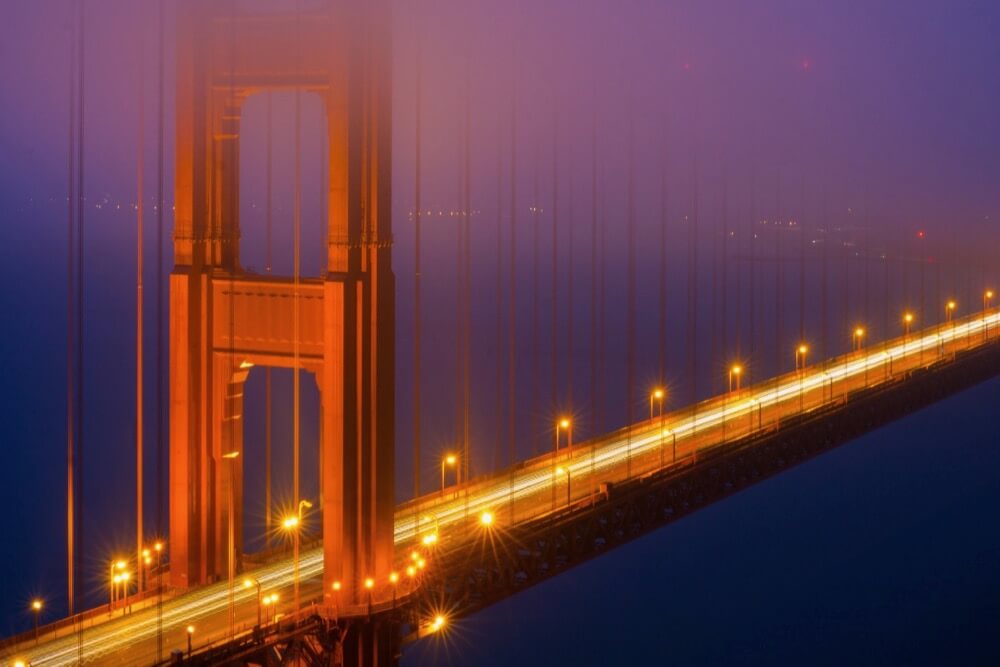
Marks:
<point>569,293</point>
<point>139,209</point>
<point>593,275</point>
<point>80,204</point>
<point>159,323</point>
<point>467,284</point>
<point>554,304</point>
<point>268,267</point>
<point>661,339</point>
<point>630,293</point>
<point>417,216</point>
<point>296,279</point>
<point>724,347</point>
<point>70,328</point>
<point>512,302</point>
<point>536,372</point>
<point>498,315</point>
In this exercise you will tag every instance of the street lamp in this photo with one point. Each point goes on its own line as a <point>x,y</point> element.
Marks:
<point>125,576</point>
<point>657,395</point>
<point>292,524</point>
<point>113,581</point>
<point>36,608</point>
<point>566,425</point>
<point>735,372</point>
<point>949,310</point>
<point>249,582</point>
<point>369,585</point>
<point>270,601</point>
<point>907,321</point>
<point>190,634</point>
<point>800,356</point>
<point>987,297</point>
<point>486,519</point>
<point>449,460</point>
<point>336,598</point>
<point>857,338</point>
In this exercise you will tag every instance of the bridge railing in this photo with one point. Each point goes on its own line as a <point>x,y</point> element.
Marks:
<point>643,447</point>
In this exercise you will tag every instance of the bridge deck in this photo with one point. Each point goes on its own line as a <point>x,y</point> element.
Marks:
<point>540,490</point>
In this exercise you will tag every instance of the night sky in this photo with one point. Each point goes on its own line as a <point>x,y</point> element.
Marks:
<point>858,123</point>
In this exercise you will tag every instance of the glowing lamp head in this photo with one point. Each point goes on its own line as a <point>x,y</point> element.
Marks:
<point>908,318</point>
<point>190,629</point>
<point>290,523</point>
<point>451,459</point>
<point>560,470</point>
<point>121,565</point>
<point>247,583</point>
<point>369,583</point>
<point>145,553</point>
<point>736,370</point>
<point>393,578</point>
<point>563,423</point>
<point>336,586</point>
<point>19,663</point>
<point>430,539</point>
<point>486,518</point>
<point>414,556</point>
<point>158,546</point>
<point>117,578</point>
<point>952,305</point>
<point>36,605</point>
<point>411,571</point>
<point>147,560</point>
<point>421,564</point>
<point>803,348</point>
<point>859,332</point>
<point>989,294</point>
<point>658,393</point>
<point>438,623</point>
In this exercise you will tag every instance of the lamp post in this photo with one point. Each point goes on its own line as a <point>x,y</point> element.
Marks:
<point>949,310</point>
<point>336,600</point>
<point>987,297</point>
<point>293,524</point>
<point>230,458</point>
<point>369,585</point>
<point>190,634</point>
<point>252,581</point>
<point>125,576</point>
<point>36,608</point>
<point>657,395</point>
<point>800,366</point>
<point>907,321</point>
<point>800,356</point>
<point>449,460</point>
<point>113,581</point>
<point>735,372</point>
<point>857,338</point>
<point>566,425</point>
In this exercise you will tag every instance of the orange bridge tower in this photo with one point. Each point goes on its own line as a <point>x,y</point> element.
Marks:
<point>224,320</point>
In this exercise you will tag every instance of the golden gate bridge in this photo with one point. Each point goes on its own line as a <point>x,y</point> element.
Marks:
<point>375,573</point>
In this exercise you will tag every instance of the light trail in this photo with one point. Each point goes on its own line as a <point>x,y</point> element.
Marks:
<point>538,477</point>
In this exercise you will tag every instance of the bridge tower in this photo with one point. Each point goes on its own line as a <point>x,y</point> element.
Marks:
<point>225,320</point>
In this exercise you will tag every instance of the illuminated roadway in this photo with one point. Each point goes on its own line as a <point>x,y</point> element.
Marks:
<point>526,491</point>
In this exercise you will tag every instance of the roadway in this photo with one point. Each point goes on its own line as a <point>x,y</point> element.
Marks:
<point>525,491</point>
